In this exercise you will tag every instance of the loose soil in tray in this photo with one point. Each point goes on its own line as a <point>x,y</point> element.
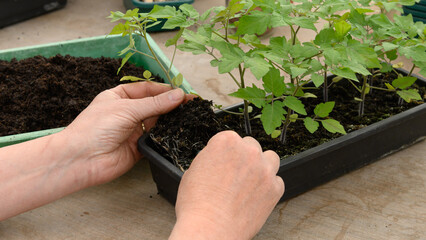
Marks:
<point>42,93</point>
<point>181,134</point>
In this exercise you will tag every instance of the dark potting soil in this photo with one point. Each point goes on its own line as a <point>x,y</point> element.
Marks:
<point>42,93</point>
<point>185,131</point>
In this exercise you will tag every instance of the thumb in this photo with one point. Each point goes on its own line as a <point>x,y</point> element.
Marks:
<point>160,104</point>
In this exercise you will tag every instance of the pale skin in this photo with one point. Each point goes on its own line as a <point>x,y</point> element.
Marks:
<point>100,145</point>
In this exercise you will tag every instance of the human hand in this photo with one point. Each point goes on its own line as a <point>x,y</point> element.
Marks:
<point>106,132</point>
<point>229,191</point>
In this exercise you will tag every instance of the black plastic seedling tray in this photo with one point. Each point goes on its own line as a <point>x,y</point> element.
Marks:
<point>320,164</point>
<point>13,11</point>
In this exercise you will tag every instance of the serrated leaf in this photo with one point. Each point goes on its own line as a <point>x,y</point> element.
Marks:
<point>257,65</point>
<point>389,46</point>
<point>317,79</point>
<point>311,124</point>
<point>124,60</point>
<point>252,94</point>
<point>324,109</point>
<point>409,95</point>
<point>386,67</point>
<point>297,71</point>
<point>272,115</point>
<point>255,23</point>
<point>333,126</point>
<point>173,41</point>
<point>118,29</point>
<point>403,82</point>
<point>274,82</point>
<point>342,28</point>
<point>346,73</point>
<point>295,104</point>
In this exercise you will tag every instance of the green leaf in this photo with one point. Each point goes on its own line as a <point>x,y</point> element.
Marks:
<point>409,95</point>
<point>309,95</point>
<point>173,41</point>
<point>118,29</point>
<point>297,71</point>
<point>311,124</point>
<point>232,56</point>
<point>304,22</point>
<point>252,94</point>
<point>124,60</point>
<point>295,104</point>
<point>342,28</point>
<point>317,79</point>
<point>386,67</point>
<point>177,21</point>
<point>326,37</point>
<point>189,10</point>
<point>255,23</point>
<point>358,68</point>
<point>403,82</point>
<point>390,87</point>
<point>178,80</point>
<point>131,78</point>
<point>275,133</point>
<point>147,74</point>
<point>293,117</point>
<point>162,11</point>
<point>346,73</point>
<point>324,109</point>
<point>389,46</point>
<point>333,126</point>
<point>332,56</point>
<point>274,82</point>
<point>257,65</point>
<point>272,115</point>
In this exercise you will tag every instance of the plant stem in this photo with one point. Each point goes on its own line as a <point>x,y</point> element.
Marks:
<point>283,135</point>
<point>363,93</point>
<point>411,71</point>
<point>247,124</point>
<point>325,85</point>
<point>143,34</point>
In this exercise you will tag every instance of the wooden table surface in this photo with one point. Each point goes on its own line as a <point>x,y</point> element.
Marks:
<point>385,200</point>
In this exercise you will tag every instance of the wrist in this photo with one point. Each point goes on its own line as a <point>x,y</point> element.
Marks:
<point>202,228</point>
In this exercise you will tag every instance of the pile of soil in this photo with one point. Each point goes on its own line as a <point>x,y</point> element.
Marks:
<point>41,93</point>
<point>186,130</point>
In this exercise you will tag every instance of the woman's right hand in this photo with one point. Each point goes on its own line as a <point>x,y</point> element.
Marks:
<point>229,191</point>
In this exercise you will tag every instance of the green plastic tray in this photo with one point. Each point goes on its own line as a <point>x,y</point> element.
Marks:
<point>87,47</point>
<point>145,7</point>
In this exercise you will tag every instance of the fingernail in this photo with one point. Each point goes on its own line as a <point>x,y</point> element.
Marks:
<point>176,95</point>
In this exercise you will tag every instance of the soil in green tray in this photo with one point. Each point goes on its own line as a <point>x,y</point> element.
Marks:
<point>42,93</point>
<point>185,131</point>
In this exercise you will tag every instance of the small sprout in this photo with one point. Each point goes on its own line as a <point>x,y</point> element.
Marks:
<point>275,133</point>
<point>177,81</point>
<point>398,65</point>
<point>147,74</point>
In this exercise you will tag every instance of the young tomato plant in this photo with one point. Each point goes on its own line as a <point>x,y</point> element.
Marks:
<point>355,43</point>
<point>136,23</point>
<point>366,42</point>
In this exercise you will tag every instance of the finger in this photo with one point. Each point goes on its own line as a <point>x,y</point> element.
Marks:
<point>280,186</point>
<point>272,159</point>
<point>252,141</point>
<point>140,89</point>
<point>149,107</point>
